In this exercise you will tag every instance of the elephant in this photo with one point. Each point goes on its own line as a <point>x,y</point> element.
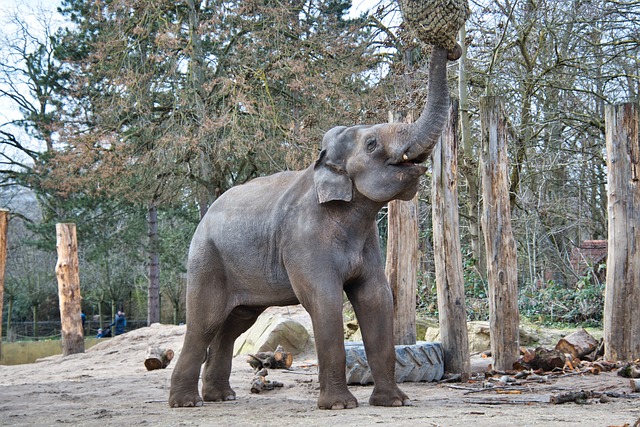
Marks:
<point>305,237</point>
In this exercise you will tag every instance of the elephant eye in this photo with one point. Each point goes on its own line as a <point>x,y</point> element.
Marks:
<point>371,144</point>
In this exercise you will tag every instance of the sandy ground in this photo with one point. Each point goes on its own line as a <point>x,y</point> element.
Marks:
<point>109,386</point>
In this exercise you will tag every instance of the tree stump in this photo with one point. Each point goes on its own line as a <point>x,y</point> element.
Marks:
<point>158,358</point>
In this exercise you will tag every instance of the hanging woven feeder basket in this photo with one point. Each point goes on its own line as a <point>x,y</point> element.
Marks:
<point>436,22</point>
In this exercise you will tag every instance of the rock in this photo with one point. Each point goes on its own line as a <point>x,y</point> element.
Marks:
<point>271,330</point>
<point>423,324</point>
<point>479,336</point>
<point>352,329</point>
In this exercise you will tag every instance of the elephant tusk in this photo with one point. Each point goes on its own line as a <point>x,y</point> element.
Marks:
<point>405,157</point>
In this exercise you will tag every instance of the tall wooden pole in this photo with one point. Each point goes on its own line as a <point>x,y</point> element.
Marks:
<point>68,274</point>
<point>153,298</point>
<point>622,293</point>
<point>500,246</point>
<point>446,250</point>
<point>4,222</point>
<point>402,265</point>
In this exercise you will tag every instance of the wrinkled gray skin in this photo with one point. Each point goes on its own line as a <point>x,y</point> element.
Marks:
<point>304,237</point>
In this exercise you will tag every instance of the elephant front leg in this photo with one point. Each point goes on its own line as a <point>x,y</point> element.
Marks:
<point>373,305</point>
<point>329,337</point>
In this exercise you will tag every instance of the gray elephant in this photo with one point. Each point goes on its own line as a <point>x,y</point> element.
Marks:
<point>305,237</point>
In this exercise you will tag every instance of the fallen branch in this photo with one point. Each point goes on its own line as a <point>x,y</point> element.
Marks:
<point>571,396</point>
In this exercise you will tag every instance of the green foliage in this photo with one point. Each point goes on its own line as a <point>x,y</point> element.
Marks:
<point>555,303</point>
<point>551,304</point>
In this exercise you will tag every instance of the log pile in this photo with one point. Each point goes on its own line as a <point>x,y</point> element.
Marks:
<point>278,359</point>
<point>577,354</point>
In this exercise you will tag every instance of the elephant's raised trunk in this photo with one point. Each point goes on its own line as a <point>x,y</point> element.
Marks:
<point>424,133</point>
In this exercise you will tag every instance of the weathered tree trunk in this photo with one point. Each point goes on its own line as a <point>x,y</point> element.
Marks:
<point>4,222</point>
<point>622,294</point>
<point>446,251</point>
<point>469,166</point>
<point>402,266</point>
<point>153,308</point>
<point>68,274</point>
<point>498,236</point>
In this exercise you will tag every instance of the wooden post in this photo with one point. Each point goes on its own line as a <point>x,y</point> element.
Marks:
<point>402,265</point>
<point>446,250</point>
<point>502,273</point>
<point>4,222</point>
<point>622,293</point>
<point>67,272</point>
<point>153,298</point>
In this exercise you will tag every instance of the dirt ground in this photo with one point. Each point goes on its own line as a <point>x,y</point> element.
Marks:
<point>109,386</point>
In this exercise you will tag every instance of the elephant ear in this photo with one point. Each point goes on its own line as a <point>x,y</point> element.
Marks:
<point>331,180</point>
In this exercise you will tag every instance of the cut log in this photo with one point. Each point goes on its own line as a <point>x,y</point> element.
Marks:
<point>578,344</point>
<point>635,384</point>
<point>278,359</point>
<point>629,370</point>
<point>541,358</point>
<point>260,383</point>
<point>158,358</point>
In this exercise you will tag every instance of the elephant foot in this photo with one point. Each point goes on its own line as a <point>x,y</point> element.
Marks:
<point>389,398</point>
<point>344,400</point>
<point>185,400</point>
<point>218,394</point>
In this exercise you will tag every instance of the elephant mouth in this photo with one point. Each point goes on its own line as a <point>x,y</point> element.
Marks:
<point>405,161</point>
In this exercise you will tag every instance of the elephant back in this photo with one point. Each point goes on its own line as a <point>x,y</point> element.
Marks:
<point>436,22</point>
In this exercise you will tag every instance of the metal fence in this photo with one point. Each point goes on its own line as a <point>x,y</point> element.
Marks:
<point>52,329</point>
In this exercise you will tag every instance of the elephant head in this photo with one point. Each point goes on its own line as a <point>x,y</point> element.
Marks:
<point>383,161</point>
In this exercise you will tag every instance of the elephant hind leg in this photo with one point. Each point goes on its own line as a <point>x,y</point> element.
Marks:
<point>186,374</point>
<point>215,379</point>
